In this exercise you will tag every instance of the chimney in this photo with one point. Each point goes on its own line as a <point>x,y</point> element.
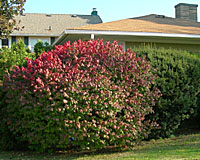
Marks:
<point>94,12</point>
<point>186,11</point>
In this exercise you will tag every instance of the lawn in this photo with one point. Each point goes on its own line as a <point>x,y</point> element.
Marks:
<point>181,147</point>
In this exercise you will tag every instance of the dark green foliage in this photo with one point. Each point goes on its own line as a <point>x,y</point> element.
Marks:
<point>9,57</point>
<point>41,47</point>
<point>7,140</point>
<point>179,83</point>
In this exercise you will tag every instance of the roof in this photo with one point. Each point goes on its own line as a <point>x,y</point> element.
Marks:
<point>150,23</point>
<point>186,4</point>
<point>51,24</point>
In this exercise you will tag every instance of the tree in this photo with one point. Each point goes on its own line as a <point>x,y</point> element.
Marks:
<point>9,9</point>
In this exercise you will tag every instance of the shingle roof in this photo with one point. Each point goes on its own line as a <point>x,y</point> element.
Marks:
<point>150,23</point>
<point>52,24</point>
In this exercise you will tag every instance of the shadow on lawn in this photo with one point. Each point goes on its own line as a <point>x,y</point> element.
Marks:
<point>107,150</point>
<point>173,146</point>
<point>69,154</point>
<point>183,147</point>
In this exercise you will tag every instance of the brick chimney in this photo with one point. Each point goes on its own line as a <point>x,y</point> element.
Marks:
<point>186,11</point>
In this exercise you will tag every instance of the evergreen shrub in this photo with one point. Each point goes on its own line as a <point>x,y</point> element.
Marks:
<point>179,83</point>
<point>41,47</point>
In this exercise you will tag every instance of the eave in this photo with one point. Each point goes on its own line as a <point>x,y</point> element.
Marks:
<point>34,35</point>
<point>128,35</point>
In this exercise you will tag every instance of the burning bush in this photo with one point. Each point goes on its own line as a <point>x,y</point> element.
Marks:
<point>88,94</point>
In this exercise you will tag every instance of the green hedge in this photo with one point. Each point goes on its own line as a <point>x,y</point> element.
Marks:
<point>179,83</point>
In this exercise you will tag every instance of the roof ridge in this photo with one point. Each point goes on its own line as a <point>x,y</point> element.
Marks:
<point>150,15</point>
<point>58,14</point>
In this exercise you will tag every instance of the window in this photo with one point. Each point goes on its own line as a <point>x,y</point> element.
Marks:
<point>26,41</point>
<point>53,39</point>
<point>13,39</point>
<point>5,43</point>
<point>123,44</point>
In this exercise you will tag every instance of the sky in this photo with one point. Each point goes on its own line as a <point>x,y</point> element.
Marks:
<point>108,10</point>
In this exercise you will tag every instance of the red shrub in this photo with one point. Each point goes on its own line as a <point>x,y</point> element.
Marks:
<point>87,94</point>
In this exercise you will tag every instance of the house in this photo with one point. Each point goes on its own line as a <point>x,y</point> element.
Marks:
<point>181,32</point>
<point>47,27</point>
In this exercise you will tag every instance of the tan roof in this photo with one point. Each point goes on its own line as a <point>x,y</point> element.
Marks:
<point>150,23</point>
<point>52,24</point>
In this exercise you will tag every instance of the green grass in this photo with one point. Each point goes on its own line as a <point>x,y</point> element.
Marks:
<point>178,148</point>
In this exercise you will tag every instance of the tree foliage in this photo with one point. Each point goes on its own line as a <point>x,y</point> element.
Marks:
<point>9,9</point>
<point>15,55</point>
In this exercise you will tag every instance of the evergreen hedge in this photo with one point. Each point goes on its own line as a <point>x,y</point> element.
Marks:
<point>179,83</point>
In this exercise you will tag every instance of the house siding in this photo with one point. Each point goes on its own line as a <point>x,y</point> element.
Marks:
<point>189,47</point>
<point>34,40</point>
